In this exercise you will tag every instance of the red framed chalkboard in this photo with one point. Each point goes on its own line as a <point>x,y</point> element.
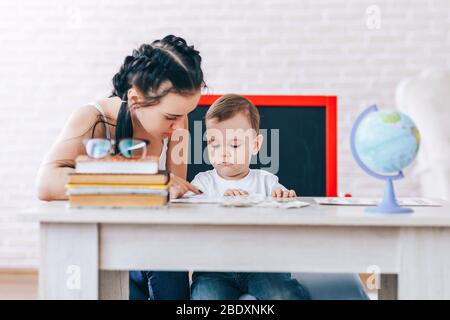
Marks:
<point>327,103</point>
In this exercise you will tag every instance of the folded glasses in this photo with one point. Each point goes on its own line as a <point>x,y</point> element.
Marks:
<point>129,148</point>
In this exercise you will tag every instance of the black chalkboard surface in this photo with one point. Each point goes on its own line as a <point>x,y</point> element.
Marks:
<point>294,148</point>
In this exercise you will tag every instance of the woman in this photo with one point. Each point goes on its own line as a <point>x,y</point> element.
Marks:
<point>154,90</point>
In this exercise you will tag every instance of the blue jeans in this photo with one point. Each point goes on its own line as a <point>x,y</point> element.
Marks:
<point>155,285</point>
<point>232,285</point>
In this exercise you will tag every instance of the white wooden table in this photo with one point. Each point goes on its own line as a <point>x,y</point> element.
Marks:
<point>85,253</point>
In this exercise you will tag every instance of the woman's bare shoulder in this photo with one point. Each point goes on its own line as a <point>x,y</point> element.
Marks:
<point>80,122</point>
<point>110,107</point>
<point>84,118</point>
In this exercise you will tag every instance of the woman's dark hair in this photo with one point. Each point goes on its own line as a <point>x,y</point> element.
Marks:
<point>167,60</point>
<point>147,68</point>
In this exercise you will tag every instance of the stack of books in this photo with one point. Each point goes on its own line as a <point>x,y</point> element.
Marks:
<point>115,181</point>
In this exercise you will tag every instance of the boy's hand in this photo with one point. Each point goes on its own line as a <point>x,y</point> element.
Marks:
<point>280,193</point>
<point>235,192</point>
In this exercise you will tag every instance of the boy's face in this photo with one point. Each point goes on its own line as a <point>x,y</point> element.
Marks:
<point>231,144</point>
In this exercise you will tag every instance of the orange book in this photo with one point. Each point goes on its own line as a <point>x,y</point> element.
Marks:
<point>162,177</point>
<point>117,200</point>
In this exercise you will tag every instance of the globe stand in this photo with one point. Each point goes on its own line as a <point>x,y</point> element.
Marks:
<point>389,203</point>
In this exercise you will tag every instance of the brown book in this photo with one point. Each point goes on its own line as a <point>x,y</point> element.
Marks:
<point>117,200</point>
<point>116,165</point>
<point>161,177</point>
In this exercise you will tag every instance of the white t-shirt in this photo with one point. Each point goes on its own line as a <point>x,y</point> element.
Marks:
<point>256,182</point>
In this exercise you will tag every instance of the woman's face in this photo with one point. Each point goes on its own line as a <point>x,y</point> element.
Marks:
<point>162,119</point>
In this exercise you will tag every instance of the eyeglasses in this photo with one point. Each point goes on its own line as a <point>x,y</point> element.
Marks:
<point>129,148</point>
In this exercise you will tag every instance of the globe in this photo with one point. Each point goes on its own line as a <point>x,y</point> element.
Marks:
<point>387,141</point>
<point>383,143</point>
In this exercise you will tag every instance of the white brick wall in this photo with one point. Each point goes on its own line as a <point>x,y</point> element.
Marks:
<point>57,55</point>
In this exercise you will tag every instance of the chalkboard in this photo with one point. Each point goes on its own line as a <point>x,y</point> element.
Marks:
<point>295,147</point>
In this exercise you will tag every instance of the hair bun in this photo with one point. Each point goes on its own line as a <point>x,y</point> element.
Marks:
<point>179,44</point>
<point>145,51</point>
<point>174,41</point>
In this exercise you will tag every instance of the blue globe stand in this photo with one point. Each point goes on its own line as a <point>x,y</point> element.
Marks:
<point>389,203</point>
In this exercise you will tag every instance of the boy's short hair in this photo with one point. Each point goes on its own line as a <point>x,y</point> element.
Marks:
<point>228,105</point>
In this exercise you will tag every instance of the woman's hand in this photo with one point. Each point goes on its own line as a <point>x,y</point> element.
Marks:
<point>235,192</point>
<point>179,186</point>
<point>280,193</point>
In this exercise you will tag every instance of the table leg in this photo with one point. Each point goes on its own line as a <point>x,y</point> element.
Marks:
<point>424,263</point>
<point>388,287</point>
<point>114,285</point>
<point>69,261</point>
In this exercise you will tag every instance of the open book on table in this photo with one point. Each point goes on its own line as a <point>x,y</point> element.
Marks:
<point>254,200</point>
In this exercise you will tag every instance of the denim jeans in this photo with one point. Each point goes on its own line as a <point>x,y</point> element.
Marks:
<point>156,285</point>
<point>231,285</point>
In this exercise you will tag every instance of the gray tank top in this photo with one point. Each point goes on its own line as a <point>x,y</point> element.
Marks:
<point>162,157</point>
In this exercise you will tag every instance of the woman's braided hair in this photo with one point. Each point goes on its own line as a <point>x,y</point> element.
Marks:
<point>167,60</point>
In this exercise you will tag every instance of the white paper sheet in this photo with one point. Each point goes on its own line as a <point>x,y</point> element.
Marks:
<point>411,201</point>
<point>255,200</point>
<point>197,199</point>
